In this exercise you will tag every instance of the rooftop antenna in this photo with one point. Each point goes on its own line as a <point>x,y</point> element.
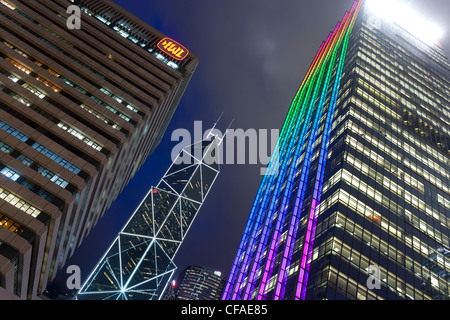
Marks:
<point>210,133</point>
<point>226,131</point>
<point>215,123</point>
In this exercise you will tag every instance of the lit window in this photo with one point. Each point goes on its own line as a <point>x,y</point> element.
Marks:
<point>9,5</point>
<point>9,173</point>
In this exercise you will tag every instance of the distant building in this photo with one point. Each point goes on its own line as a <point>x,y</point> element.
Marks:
<point>80,112</point>
<point>196,283</point>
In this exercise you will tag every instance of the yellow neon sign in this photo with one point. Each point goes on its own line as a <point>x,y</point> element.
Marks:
<point>173,48</point>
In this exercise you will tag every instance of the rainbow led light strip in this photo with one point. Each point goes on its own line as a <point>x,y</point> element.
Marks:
<point>312,219</point>
<point>298,137</point>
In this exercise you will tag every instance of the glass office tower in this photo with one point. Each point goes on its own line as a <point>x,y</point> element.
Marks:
<point>356,203</point>
<point>139,264</point>
<point>80,111</point>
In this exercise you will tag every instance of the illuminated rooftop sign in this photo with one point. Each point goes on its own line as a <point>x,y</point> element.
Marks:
<point>173,49</point>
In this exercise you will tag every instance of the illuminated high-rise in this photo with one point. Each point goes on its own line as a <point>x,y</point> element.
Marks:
<point>80,111</point>
<point>356,202</point>
<point>139,263</point>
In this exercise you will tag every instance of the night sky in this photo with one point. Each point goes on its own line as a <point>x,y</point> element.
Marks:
<point>253,56</point>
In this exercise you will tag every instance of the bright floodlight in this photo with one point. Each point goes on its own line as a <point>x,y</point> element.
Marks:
<point>401,14</point>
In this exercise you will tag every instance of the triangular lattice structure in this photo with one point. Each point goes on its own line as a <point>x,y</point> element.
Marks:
<point>139,263</point>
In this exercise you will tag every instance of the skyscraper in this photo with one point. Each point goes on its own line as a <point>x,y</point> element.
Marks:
<point>356,203</point>
<point>80,111</point>
<point>196,283</point>
<point>139,264</point>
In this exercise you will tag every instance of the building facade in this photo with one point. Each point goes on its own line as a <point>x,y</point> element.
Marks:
<point>356,205</point>
<point>196,283</point>
<point>80,111</point>
<point>139,263</point>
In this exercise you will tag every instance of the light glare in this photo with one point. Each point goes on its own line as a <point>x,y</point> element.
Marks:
<point>401,14</point>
